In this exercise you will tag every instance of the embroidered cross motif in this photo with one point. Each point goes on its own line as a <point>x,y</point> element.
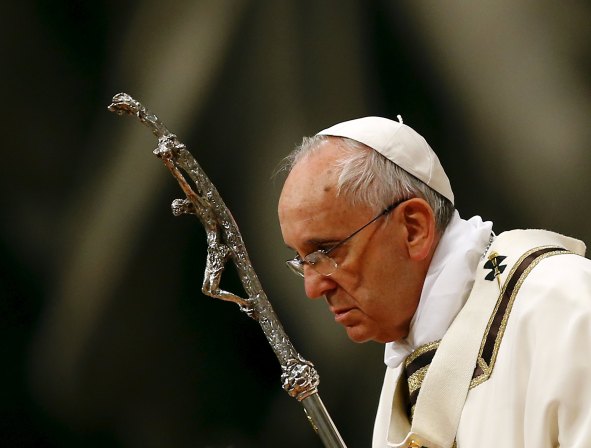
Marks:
<point>494,263</point>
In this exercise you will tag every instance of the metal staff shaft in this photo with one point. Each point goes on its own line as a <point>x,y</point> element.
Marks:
<point>224,243</point>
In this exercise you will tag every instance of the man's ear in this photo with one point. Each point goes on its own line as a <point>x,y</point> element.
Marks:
<point>419,221</point>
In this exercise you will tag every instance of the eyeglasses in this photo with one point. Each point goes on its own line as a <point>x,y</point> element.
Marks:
<point>321,261</point>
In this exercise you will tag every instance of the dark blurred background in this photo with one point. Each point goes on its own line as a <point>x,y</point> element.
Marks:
<point>106,340</point>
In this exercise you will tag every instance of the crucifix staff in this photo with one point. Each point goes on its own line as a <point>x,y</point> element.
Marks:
<point>224,243</point>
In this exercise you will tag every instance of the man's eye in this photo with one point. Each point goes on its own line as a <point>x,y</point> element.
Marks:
<point>325,249</point>
<point>333,250</point>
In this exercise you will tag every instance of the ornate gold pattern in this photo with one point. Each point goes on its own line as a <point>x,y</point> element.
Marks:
<point>420,351</point>
<point>415,367</point>
<point>416,379</point>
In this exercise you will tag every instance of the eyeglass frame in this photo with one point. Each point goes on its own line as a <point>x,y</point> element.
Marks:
<point>296,264</point>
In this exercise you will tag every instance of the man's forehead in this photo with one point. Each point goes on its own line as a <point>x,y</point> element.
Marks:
<point>309,196</point>
<point>323,159</point>
<point>302,198</point>
<point>309,221</point>
<point>313,178</point>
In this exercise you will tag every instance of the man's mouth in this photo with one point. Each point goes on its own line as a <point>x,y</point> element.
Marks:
<point>342,315</point>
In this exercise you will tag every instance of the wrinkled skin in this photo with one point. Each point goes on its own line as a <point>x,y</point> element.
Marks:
<point>376,289</point>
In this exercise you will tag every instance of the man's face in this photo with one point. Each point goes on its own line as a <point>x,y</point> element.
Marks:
<point>375,290</point>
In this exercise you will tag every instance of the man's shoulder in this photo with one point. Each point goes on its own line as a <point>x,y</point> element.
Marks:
<point>547,263</point>
<point>532,281</point>
<point>547,287</point>
<point>525,239</point>
<point>542,265</point>
<point>513,255</point>
<point>558,286</point>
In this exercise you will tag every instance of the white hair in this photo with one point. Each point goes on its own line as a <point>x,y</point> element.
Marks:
<point>367,177</point>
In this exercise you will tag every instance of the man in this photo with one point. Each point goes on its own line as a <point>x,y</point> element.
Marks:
<point>487,337</point>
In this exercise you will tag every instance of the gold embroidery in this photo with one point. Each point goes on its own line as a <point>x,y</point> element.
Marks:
<point>416,379</point>
<point>496,271</point>
<point>421,350</point>
<point>415,366</point>
<point>483,368</point>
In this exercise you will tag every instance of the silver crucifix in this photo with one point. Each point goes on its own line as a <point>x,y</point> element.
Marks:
<point>224,244</point>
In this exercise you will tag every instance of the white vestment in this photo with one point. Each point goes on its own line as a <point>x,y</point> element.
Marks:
<point>531,381</point>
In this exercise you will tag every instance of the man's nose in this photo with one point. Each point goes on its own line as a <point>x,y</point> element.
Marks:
<point>316,285</point>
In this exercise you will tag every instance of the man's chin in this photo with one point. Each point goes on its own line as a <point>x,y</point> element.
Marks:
<point>357,334</point>
<point>360,334</point>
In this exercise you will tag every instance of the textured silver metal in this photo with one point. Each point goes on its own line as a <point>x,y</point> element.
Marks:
<point>224,241</point>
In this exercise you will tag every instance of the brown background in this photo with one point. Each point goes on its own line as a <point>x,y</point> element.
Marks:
<point>106,339</point>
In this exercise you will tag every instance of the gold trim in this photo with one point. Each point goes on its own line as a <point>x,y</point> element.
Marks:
<point>488,368</point>
<point>416,379</point>
<point>421,350</point>
<point>496,272</point>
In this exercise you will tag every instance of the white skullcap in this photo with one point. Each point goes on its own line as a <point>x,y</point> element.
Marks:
<point>400,144</point>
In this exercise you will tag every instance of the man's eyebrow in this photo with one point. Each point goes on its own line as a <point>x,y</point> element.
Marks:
<point>314,243</point>
<point>321,242</point>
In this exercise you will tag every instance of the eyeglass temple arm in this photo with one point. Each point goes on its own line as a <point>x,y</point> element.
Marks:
<point>225,243</point>
<point>382,213</point>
